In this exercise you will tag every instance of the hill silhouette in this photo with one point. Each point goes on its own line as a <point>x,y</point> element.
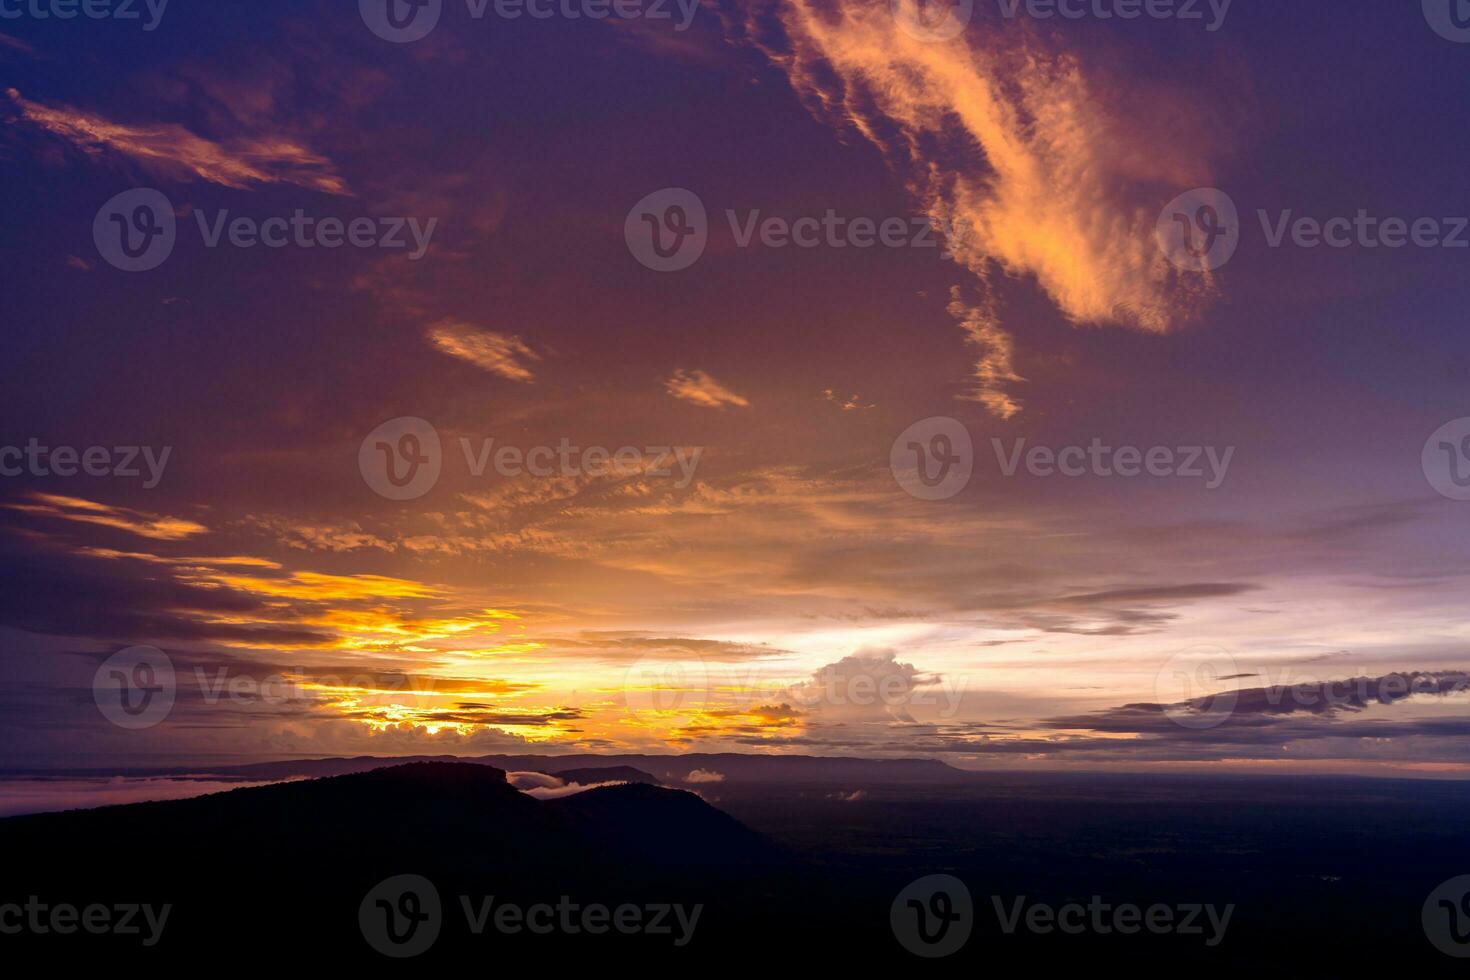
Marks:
<point>670,770</point>
<point>604,774</point>
<point>282,874</point>
<point>229,862</point>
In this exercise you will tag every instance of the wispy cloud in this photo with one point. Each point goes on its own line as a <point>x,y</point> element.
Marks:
<point>173,151</point>
<point>16,44</point>
<point>1066,189</point>
<point>994,371</point>
<point>121,518</point>
<point>848,403</point>
<point>701,389</point>
<point>497,353</point>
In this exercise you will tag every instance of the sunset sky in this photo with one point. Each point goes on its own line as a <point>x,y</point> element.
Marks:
<point>752,568</point>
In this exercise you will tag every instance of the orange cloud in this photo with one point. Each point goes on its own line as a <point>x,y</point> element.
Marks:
<point>317,587</point>
<point>240,163</point>
<point>701,389</point>
<point>1070,186</point>
<point>497,353</point>
<point>91,512</point>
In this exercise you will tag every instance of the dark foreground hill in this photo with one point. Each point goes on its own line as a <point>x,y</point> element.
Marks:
<point>290,864</point>
<point>450,862</point>
<point>671,770</point>
<point>433,815</point>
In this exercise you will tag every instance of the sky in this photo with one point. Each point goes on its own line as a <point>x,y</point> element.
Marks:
<point>412,438</point>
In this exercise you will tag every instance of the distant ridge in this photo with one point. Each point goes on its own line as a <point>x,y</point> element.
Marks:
<point>429,814</point>
<point>606,774</point>
<point>673,770</point>
<point>239,870</point>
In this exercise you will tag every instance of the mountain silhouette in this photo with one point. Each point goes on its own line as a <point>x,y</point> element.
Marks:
<point>671,770</point>
<point>435,814</point>
<point>606,774</point>
<point>229,862</point>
